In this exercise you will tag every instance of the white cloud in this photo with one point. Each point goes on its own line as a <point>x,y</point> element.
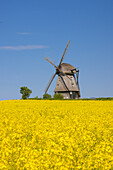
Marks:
<point>24,47</point>
<point>23,33</point>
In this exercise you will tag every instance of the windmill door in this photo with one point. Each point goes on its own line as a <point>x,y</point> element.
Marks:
<point>72,95</point>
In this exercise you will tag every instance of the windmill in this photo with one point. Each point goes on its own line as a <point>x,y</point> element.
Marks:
<point>67,81</point>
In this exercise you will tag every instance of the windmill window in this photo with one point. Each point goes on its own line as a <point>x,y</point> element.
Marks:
<point>72,84</point>
<point>57,84</point>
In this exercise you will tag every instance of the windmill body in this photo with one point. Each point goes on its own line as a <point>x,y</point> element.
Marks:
<point>67,81</point>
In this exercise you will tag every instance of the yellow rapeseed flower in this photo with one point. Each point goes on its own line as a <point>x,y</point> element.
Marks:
<point>43,134</point>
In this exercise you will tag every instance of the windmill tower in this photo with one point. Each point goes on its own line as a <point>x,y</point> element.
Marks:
<point>67,81</point>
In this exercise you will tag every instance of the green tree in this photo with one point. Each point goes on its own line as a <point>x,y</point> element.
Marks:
<point>46,96</point>
<point>58,96</point>
<point>25,92</point>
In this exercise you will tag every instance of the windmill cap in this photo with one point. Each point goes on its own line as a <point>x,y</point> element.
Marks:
<point>67,68</point>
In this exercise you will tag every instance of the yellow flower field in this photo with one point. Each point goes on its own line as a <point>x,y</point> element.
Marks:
<point>46,134</point>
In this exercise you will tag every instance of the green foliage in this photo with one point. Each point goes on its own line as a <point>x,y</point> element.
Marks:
<point>46,96</point>
<point>104,98</point>
<point>25,92</point>
<point>58,96</point>
<point>36,97</point>
<point>100,98</point>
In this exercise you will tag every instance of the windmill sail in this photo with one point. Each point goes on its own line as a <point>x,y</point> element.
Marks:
<point>64,52</point>
<point>50,83</point>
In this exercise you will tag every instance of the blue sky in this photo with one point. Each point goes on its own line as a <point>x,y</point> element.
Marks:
<point>31,30</point>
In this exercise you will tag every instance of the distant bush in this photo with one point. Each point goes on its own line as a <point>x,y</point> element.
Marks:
<point>46,96</point>
<point>58,96</point>
<point>36,97</point>
<point>99,98</point>
<point>39,98</point>
<point>104,98</point>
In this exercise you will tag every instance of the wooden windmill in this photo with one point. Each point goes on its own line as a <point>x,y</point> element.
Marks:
<point>67,82</point>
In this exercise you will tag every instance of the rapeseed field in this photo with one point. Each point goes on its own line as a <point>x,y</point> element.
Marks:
<point>65,135</point>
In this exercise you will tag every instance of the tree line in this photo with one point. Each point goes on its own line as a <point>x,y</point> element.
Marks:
<point>26,92</point>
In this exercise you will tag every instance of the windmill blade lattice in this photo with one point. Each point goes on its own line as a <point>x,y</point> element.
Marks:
<point>64,52</point>
<point>50,83</point>
<point>50,62</point>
